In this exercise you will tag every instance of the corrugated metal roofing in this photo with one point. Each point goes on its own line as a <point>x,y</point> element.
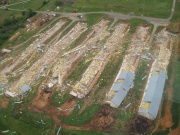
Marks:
<point>117,100</point>
<point>122,88</point>
<point>122,75</point>
<point>154,92</point>
<point>116,86</point>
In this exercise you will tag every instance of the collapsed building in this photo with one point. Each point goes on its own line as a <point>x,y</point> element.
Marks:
<point>31,49</point>
<point>64,66</point>
<point>124,80</point>
<point>90,76</point>
<point>156,81</point>
<point>40,67</point>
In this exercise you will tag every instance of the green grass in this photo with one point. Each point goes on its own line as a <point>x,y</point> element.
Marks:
<point>176,96</point>
<point>19,119</point>
<point>76,132</point>
<point>121,119</point>
<point>155,8</point>
<point>94,18</point>
<point>24,122</point>
<point>32,4</point>
<point>175,21</point>
<point>176,16</point>
<point>77,119</point>
<point>7,13</point>
<point>57,100</point>
<point>78,71</point>
<point>166,132</point>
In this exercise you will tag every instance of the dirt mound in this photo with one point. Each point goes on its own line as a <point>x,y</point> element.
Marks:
<point>4,102</point>
<point>41,101</point>
<point>139,125</point>
<point>103,120</point>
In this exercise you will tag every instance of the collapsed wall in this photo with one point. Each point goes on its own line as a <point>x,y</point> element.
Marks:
<point>90,76</point>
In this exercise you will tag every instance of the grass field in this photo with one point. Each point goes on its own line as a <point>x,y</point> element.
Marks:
<point>32,4</point>
<point>154,8</point>
<point>176,96</point>
<point>77,119</point>
<point>6,14</point>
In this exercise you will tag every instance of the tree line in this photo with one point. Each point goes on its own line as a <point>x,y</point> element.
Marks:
<point>12,24</point>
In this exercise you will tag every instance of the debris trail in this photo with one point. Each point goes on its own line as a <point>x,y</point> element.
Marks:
<point>64,65</point>
<point>32,48</point>
<point>39,68</point>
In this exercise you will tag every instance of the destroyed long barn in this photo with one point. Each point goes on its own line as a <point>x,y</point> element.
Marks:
<point>40,67</point>
<point>63,66</point>
<point>83,87</point>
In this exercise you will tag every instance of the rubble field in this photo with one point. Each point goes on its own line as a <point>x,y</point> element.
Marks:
<point>58,60</point>
<point>40,67</point>
<point>67,62</point>
<point>90,76</point>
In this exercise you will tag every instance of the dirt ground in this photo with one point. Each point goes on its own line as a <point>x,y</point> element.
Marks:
<point>4,103</point>
<point>166,121</point>
<point>42,103</point>
<point>139,125</point>
<point>103,120</point>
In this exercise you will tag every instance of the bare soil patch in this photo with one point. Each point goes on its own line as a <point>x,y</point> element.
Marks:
<point>139,125</point>
<point>4,102</point>
<point>40,102</point>
<point>103,120</point>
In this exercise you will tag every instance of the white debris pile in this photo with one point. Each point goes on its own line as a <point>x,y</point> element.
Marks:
<point>136,47</point>
<point>162,59</point>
